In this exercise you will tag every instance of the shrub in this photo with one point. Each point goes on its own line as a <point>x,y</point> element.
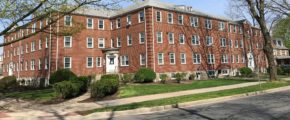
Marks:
<point>245,71</point>
<point>85,80</point>
<point>105,86</point>
<point>128,77</point>
<point>179,77</point>
<point>110,76</point>
<point>163,78</point>
<point>68,89</point>
<point>145,75</point>
<point>61,75</point>
<point>191,76</point>
<point>8,82</point>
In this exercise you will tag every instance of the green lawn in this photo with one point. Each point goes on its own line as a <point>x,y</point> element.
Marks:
<point>187,98</point>
<point>146,89</point>
<point>38,95</point>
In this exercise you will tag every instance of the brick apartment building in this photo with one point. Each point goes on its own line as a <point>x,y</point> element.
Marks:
<point>165,37</point>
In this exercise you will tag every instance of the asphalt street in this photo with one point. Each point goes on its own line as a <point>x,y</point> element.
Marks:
<point>274,106</point>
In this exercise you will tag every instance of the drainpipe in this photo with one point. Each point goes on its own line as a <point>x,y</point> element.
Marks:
<point>153,39</point>
<point>49,52</point>
<point>57,30</point>
<point>146,54</point>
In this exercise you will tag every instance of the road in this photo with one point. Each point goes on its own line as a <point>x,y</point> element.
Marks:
<point>274,106</point>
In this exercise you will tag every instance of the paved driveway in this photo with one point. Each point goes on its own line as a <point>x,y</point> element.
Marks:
<point>275,106</point>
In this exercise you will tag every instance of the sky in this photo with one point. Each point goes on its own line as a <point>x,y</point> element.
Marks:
<point>215,7</point>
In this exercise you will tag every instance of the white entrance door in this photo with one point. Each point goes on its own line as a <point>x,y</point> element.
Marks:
<point>112,63</point>
<point>10,69</point>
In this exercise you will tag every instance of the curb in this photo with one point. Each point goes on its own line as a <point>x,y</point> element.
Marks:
<point>106,115</point>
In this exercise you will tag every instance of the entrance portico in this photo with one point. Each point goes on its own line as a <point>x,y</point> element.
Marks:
<point>111,60</point>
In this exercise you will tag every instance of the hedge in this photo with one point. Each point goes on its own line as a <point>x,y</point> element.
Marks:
<point>108,85</point>
<point>61,75</point>
<point>144,75</point>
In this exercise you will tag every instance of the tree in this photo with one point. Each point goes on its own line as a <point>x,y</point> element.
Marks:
<point>265,12</point>
<point>17,15</point>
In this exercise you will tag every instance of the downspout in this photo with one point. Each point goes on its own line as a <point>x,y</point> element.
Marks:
<point>57,30</point>
<point>154,69</point>
<point>19,56</point>
<point>146,54</point>
<point>49,52</point>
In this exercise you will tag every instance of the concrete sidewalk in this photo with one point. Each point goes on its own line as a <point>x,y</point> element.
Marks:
<point>68,108</point>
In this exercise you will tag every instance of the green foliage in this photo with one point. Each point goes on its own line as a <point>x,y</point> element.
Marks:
<point>163,78</point>
<point>68,89</point>
<point>179,77</point>
<point>110,76</point>
<point>145,75</point>
<point>8,82</point>
<point>85,80</point>
<point>61,75</point>
<point>104,87</point>
<point>245,71</point>
<point>191,76</point>
<point>128,77</point>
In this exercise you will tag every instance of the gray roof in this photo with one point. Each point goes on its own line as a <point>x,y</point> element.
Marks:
<point>154,3</point>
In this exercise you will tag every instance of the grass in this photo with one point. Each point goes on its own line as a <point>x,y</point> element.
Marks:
<point>187,98</point>
<point>37,95</point>
<point>146,89</point>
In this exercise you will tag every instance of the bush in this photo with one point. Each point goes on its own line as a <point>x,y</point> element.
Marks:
<point>179,77</point>
<point>8,82</point>
<point>85,80</point>
<point>105,86</point>
<point>163,78</point>
<point>191,76</point>
<point>128,77</point>
<point>110,76</point>
<point>61,75</point>
<point>245,71</point>
<point>145,75</point>
<point>68,89</point>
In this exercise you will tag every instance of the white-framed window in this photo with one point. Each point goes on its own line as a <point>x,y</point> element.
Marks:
<point>210,59</point>
<point>33,28</point>
<point>195,40</point>
<point>211,72</point>
<point>90,23</point>
<point>243,59</point>
<point>32,64</point>
<point>225,71</point>
<point>237,58</point>
<point>230,43</point>
<point>235,28</point>
<point>112,43</point>
<point>142,59</point>
<point>196,58</point>
<point>223,42</point>
<point>221,26</point>
<point>241,30</point>
<point>67,41</point>
<point>236,44</point>
<point>229,28</point>
<point>67,62</point>
<point>39,64</point>
<point>90,42</point>
<point>183,58</point>
<point>40,24</point>
<point>180,19</point>
<point>170,18</point>
<point>112,25</point>
<point>181,39</point>
<point>118,42</point>
<point>142,37</point>
<point>224,58</point>
<point>68,20</point>
<point>171,38</point>
<point>160,58</point>
<point>118,23</point>
<point>46,42</point>
<point>209,40</point>
<point>46,63</point>
<point>98,61</point>
<point>172,58</point>
<point>40,44</point>
<point>159,37</point>
<point>101,24</point>
<point>129,20</point>
<point>194,21</point>
<point>90,63</point>
<point>241,44</point>
<point>233,59</point>
<point>124,60</point>
<point>32,47</point>
<point>26,49</point>
<point>141,16</point>
<point>129,40</point>
<point>26,66</point>
<point>158,16</point>
<point>208,24</point>
<point>101,43</point>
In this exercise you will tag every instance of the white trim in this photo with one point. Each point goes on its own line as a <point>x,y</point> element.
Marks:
<point>97,60</point>
<point>181,57</point>
<point>92,27</point>
<point>183,37</point>
<point>92,39</point>
<point>162,59</point>
<point>139,20</point>
<point>103,21</point>
<point>157,16</point>
<point>129,38</point>
<point>140,36</point>
<point>70,24</point>
<point>169,37</point>
<point>161,36</point>
<point>172,20</point>
<point>92,61</point>
<point>70,62</point>
<point>99,41</point>
<point>70,40</point>
<point>172,53</point>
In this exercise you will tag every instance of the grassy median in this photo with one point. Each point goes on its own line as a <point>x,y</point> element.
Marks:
<point>188,98</point>
<point>147,89</point>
